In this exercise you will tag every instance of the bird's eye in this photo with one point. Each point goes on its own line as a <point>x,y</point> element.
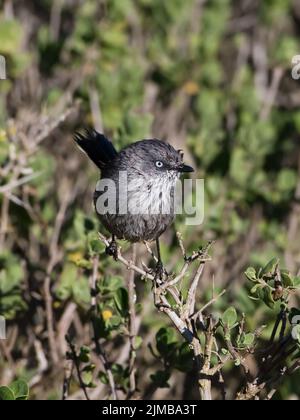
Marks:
<point>159,164</point>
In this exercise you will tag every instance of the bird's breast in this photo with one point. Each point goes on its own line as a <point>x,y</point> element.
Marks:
<point>150,196</point>
<point>143,211</point>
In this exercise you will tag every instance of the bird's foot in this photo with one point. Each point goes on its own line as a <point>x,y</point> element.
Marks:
<point>112,250</point>
<point>159,271</point>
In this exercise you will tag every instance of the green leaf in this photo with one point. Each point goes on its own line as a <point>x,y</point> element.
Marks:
<point>114,321</point>
<point>101,328</point>
<point>248,339</point>
<point>250,273</point>
<point>121,301</point>
<point>84,355</point>
<point>268,297</point>
<point>296,281</point>
<point>11,36</point>
<point>120,373</point>
<point>103,377</point>
<point>270,266</point>
<point>287,180</point>
<point>87,377</point>
<point>256,288</point>
<point>184,358</point>
<point>112,283</point>
<point>84,263</point>
<point>81,290</point>
<point>11,276</point>
<point>229,317</point>
<point>89,225</point>
<point>95,246</point>
<point>68,276</point>
<point>287,279</point>
<point>137,342</point>
<point>6,394</point>
<point>165,342</point>
<point>20,389</point>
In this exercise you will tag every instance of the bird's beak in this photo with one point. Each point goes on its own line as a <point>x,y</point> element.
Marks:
<point>185,168</point>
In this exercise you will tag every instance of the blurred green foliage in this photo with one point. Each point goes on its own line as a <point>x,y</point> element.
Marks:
<point>18,390</point>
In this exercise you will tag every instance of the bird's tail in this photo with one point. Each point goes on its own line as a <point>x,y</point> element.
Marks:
<point>98,148</point>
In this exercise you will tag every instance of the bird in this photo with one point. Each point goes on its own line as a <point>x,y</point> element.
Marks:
<point>152,168</point>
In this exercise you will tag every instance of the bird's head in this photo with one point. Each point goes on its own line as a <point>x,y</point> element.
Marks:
<point>155,159</point>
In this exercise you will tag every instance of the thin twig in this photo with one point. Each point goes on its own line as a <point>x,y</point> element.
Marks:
<point>211,302</point>
<point>75,359</point>
<point>100,352</point>
<point>68,372</point>
<point>132,327</point>
<point>54,258</point>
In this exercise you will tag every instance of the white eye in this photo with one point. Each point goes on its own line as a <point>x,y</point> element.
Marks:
<point>159,164</point>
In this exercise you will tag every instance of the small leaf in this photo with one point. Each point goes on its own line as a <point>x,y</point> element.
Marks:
<point>184,359</point>
<point>103,377</point>
<point>250,273</point>
<point>121,301</point>
<point>89,225</point>
<point>165,342</point>
<point>113,283</point>
<point>87,377</point>
<point>287,279</point>
<point>11,36</point>
<point>84,263</point>
<point>296,281</point>
<point>137,342</point>
<point>229,317</point>
<point>20,389</point>
<point>95,246</point>
<point>270,266</point>
<point>114,321</point>
<point>84,355</point>
<point>268,298</point>
<point>6,394</point>
<point>256,288</point>
<point>248,339</point>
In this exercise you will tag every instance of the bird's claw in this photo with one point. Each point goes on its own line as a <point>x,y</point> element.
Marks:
<point>159,271</point>
<point>112,250</point>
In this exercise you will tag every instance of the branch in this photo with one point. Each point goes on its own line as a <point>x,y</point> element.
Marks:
<point>100,352</point>
<point>74,357</point>
<point>132,327</point>
<point>165,307</point>
<point>180,314</point>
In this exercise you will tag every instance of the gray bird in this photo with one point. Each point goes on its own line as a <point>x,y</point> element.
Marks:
<point>144,176</point>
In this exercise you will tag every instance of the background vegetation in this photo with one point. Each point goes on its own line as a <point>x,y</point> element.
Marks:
<point>213,78</point>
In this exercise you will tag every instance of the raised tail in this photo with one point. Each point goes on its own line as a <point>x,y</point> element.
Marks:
<point>98,148</point>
